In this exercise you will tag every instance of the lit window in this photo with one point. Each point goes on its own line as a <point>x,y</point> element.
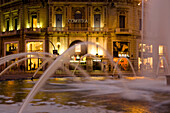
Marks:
<point>160,49</point>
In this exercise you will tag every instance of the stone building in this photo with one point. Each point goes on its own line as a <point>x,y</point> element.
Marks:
<point>47,25</point>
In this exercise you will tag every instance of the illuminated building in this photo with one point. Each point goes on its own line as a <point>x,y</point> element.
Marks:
<point>45,25</point>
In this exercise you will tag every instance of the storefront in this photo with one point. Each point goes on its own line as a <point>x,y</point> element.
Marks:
<point>121,49</point>
<point>147,57</point>
<point>79,52</point>
<point>34,46</point>
<point>11,48</point>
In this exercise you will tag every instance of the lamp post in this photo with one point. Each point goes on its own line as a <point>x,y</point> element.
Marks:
<point>142,35</point>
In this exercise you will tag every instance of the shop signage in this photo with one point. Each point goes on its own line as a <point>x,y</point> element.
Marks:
<point>77,21</point>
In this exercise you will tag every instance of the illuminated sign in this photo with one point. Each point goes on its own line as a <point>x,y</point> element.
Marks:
<point>77,21</point>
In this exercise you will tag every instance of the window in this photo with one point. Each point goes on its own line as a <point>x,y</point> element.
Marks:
<point>160,49</point>
<point>34,46</point>
<point>58,20</point>
<point>7,25</point>
<point>78,15</point>
<point>16,23</point>
<point>97,20</point>
<point>34,21</point>
<point>11,48</point>
<point>121,49</point>
<point>140,24</point>
<point>121,21</point>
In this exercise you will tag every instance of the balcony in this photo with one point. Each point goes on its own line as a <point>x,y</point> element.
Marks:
<point>123,31</point>
<point>33,30</point>
<point>10,33</point>
<point>99,29</point>
<point>76,29</point>
<point>56,29</point>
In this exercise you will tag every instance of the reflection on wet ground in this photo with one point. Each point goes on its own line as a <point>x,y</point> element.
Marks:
<point>58,91</point>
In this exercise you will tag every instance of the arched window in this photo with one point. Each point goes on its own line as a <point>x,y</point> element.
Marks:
<point>78,15</point>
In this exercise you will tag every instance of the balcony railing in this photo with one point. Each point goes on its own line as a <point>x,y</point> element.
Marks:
<point>10,33</point>
<point>76,29</point>
<point>123,31</point>
<point>32,30</point>
<point>56,29</point>
<point>98,29</point>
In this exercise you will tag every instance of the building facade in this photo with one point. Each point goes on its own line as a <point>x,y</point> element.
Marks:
<point>47,25</point>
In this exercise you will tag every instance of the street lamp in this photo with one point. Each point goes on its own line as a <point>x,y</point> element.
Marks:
<point>142,35</point>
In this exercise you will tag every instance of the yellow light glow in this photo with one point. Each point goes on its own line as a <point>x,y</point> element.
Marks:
<point>28,26</point>
<point>134,78</point>
<point>18,28</point>
<point>61,51</point>
<point>93,51</point>
<point>3,30</point>
<point>160,49</point>
<point>10,29</point>
<point>61,79</point>
<point>58,43</point>
<point>28,46</point>
<point>139,3</point>
<point>10,82</point>
<point>100,52</point>
<point>98,78</point>
<point>39,25</point>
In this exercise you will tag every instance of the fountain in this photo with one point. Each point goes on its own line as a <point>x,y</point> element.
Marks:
<point>124,87</point>
<point>157,27</point>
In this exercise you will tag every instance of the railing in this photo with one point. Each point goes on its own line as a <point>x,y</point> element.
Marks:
<point>32,30</point>
<point>89,29</point>
<point>78,29</point>
<point>123,31</point>
<point>10,33</point>
<point>53,29</point>
<point>98,29</point>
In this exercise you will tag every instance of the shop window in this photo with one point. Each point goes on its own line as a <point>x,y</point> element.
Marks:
<point>11,48</point>
<point>120,49</point>
<point>97,64</point>
<point>146,48</point>
<point>35,46</point>
<point>123,64</point>
<point>160,49</point>
<point>34,63</point>
<point>161,65</point>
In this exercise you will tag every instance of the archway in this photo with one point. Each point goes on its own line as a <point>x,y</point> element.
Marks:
<point>79,51</point>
